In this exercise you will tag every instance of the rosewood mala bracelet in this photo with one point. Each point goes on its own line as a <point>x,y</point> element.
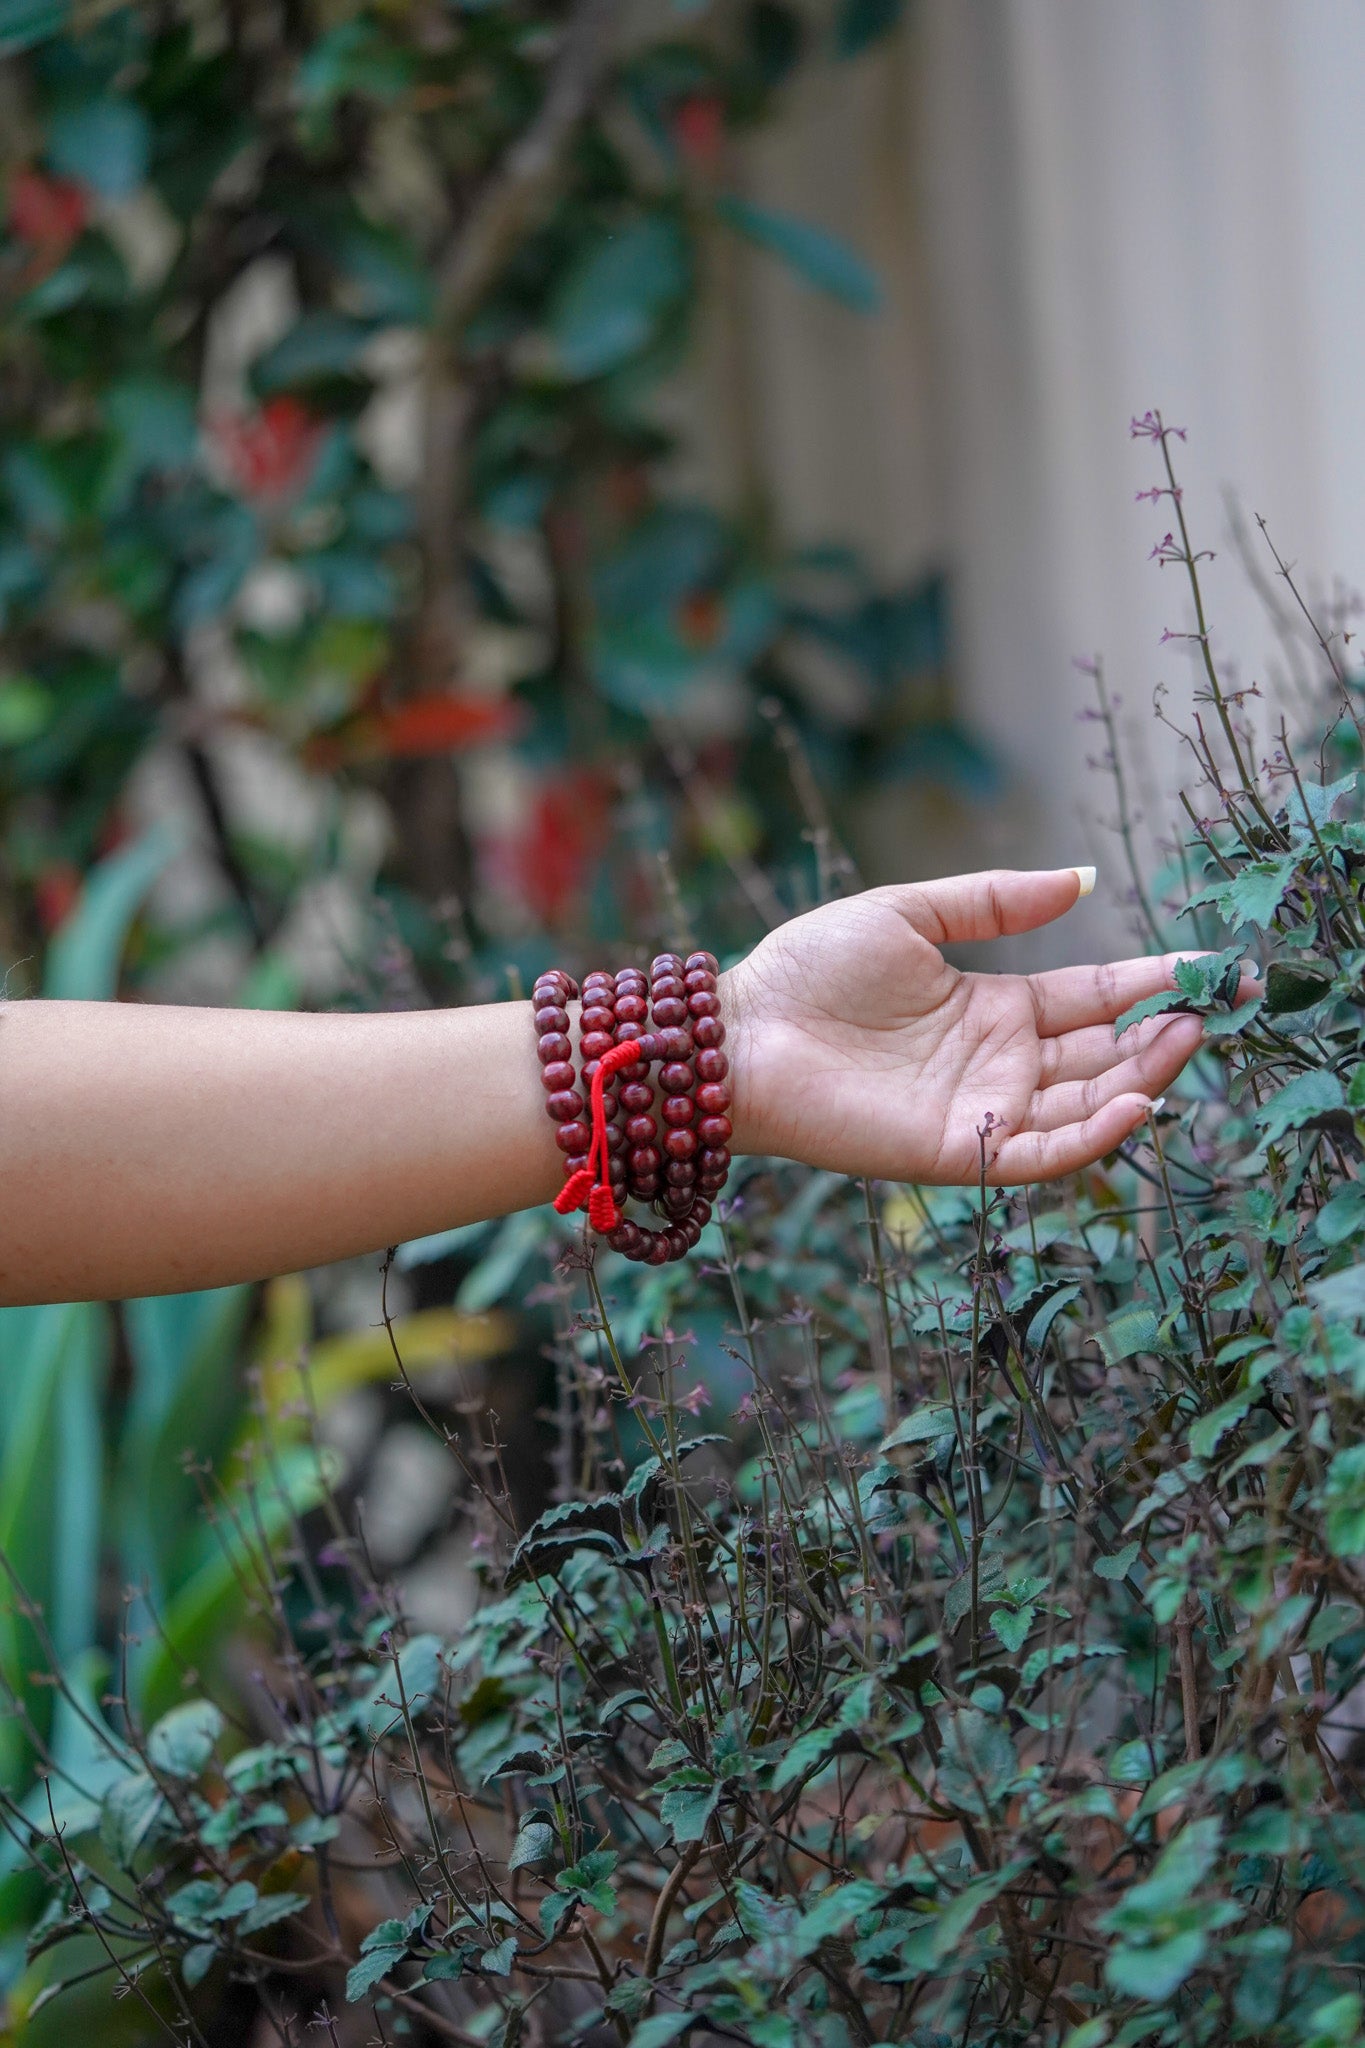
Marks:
<point>680,1167</point>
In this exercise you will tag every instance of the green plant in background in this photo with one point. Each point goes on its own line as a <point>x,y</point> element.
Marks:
<point>329,450</point>
<point>998,1684</point>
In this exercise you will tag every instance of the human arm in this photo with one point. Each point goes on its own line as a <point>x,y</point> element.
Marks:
<point>148,1149</point>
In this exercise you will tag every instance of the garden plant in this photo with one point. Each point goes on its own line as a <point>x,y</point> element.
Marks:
<point>949,1627</point>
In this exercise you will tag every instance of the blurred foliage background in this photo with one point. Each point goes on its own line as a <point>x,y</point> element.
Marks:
<point>363,644</point>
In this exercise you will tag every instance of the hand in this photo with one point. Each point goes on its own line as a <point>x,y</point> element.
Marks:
<point>857,1047</point>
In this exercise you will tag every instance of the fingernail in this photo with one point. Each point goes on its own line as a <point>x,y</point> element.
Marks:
<point>1086,878</point>
<point>1157,1102</point>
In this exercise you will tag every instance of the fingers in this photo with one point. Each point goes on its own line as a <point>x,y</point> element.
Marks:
<point>1048,1155</point>
<point>1071,998</point>
<point>1080,1055</point>
<point>1147,1072</point>
<point>990,905</point>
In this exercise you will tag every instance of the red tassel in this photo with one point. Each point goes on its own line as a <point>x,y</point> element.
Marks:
<point>575,1191</point>
<point>603,1213</point>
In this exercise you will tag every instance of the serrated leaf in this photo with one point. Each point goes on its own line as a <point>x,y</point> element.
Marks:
<point>364,1975</point>
<point>1119,1564</point>
<point>535,1843</point>
<point>1132,1330</point>
<point>1011,1626</point>
<point>925,1426</point>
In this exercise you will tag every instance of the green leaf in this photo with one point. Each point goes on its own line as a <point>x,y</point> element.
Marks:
<point>271,1907</point>
<point>196,1962</point>
<point>102,143</point>
<point>183,1741</point>
<point>862,22</point>
<point>609,304</point>
<point>1169,999</point>
<point>1011,1626</point>
<point>1120,1564</point>
<point>1208,1432</point>
<point>83,959</point>
<point>687,1810</point>
<point>926,1425</point>
<point>535,1843</point>
<point>662,2028</point>
<point>1152,1973</point>
<point>132,1808</point>
<point>1132,1330</point>
<point>1343,1498</point>
<point>1344,1216</point>
<point>1293,987</point>
<point>1304,1104</point>
<point>1341,1296</point>
<point>365,1974</point>
<point>978,1762</point>
<point>821,258</point>
<point>1252,895</point>
<point>317,349</point>
<point>26,22</point>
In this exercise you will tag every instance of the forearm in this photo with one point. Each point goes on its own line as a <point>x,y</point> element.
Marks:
<point>146,1149</point>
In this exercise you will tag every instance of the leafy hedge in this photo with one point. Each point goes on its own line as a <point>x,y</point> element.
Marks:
<point>988,1673</point>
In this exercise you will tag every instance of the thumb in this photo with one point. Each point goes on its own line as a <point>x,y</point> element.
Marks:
<point>993,904</point>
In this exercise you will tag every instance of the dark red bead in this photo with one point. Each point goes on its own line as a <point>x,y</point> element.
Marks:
<point>669,1010</point>
<point>573,1162</point>
<point>706,960</point>
<point>644,1160</point>
<point>665,963</point>
<point>659,1253</point>
<point>593,1044</point>
<point>559,1074</point>
<point>616,1173</point>
<point>575,1137</point>
<point>715,1130</point>
<point>596,1017</point>
<point>631,1009</point>
<point>631,977</point>
<point>649,1046</point>
<point>680,1173</point>
<point>631,1034</point>
<point>711,1064</point>
<point>675,1077</point>
<point>697,978</point>
<point>616,1138</point>
<point>645,1186</point>
<point>667,985</point>
<point>678,1109</point>
<point>715,1159</point>
<point>636,1097</point>
<point>626,1237</point>
<point>641,1130</point>
<point>554,1045</point>
<point>550,1018</point>
<point>589,1071</point>
<point>564,1105</point>
<point>705,1003</point>
<point>701,1211</point>
<point>677,1201</point>
<point>691,1230</point>
<point>678,1246</point>
<point>556,979</point>
<point>680,1143</point>
<point>674,1044</point>
<point>712,1099</point>
<point>599,978</point>
<point>708,1031</point>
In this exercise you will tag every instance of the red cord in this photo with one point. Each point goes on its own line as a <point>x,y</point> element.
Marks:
<point>578,1189</point>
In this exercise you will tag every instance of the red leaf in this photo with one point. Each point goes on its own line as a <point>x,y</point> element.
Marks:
<point>699,129</point>
<point>47,213</point>
<point>268,455</point>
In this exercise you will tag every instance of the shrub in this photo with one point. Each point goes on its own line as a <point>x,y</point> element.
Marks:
<point>994,1686</point>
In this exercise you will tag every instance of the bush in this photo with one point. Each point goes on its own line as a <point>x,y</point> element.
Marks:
<point>994,1686</point>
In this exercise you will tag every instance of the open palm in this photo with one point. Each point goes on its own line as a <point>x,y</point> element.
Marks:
<point>859,1048</point>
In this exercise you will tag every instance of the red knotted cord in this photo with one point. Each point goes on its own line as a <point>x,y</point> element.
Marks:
<point>578,1189</point>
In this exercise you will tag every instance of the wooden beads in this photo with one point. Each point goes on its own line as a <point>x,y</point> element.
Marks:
<point>671,1151</point>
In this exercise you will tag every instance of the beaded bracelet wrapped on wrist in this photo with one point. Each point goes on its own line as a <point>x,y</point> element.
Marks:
<point>678,1171</point>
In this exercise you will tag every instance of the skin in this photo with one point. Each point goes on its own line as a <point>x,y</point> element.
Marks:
<point>148,1149</point>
